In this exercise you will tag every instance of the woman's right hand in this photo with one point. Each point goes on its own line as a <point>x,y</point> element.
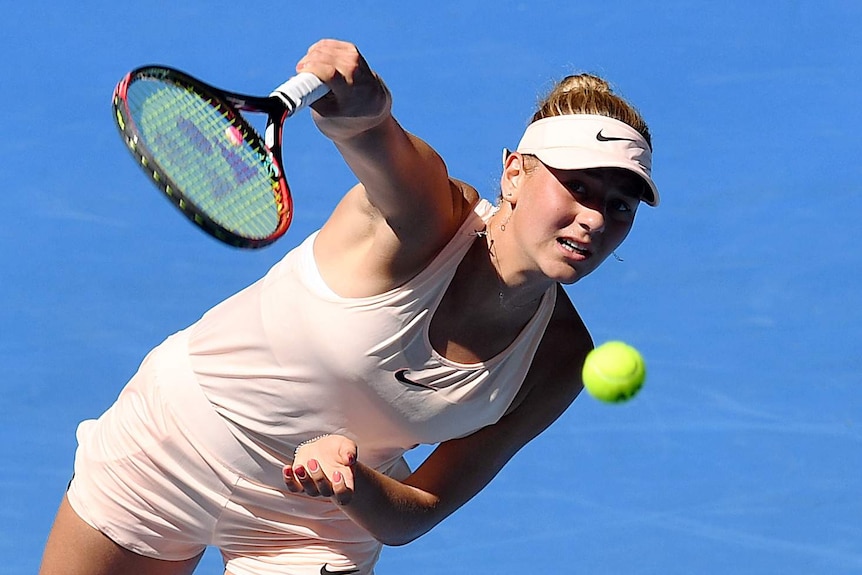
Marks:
<point>385,230</point>
<point>356,91</point>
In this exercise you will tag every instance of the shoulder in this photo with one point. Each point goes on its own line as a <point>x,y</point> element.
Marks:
<point>564,347</point>
<point>463,192</point>
<point>554,379</point>
<point>360,251</point>
<point>566,326</point>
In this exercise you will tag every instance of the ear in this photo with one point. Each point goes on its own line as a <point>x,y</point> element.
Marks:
<point>513,175</point>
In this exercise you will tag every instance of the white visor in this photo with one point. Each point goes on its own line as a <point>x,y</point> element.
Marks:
<point>583,141</point>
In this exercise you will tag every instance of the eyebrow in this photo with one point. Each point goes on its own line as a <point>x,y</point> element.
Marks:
<point>629,183</point>
<point>633,187</point>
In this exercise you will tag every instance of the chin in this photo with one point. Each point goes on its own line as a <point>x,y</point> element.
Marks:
<point>572,275</point>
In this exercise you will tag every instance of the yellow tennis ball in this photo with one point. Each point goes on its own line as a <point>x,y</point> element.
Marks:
<point>614,372</point>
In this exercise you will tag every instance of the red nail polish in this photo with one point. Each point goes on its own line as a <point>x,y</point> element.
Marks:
<point>313,466</point>
<point>336,477</point>
<point>299,470</point>
<point>288,474</point>
<point>351,459</point>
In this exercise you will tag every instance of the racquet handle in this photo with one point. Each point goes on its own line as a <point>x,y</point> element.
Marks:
<point>300,91</point>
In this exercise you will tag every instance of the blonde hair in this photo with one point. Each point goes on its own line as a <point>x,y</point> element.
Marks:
<point>589,94</point>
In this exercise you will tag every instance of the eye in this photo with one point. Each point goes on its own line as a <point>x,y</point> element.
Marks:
<point>622,206</point>
<point>576,187</point>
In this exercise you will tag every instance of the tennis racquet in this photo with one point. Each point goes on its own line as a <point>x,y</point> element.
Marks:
<point>194,143</point>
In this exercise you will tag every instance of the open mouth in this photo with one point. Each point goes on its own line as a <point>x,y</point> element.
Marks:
<point>575,247</point>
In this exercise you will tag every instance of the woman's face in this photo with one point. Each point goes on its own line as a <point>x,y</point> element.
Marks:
<point>570,221</point>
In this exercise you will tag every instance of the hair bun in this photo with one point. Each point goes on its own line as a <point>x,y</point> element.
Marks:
<point>584,83</point>
<point>590,94</point>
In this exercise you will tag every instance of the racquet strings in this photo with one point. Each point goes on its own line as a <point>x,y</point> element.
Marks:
<point>198,145</point>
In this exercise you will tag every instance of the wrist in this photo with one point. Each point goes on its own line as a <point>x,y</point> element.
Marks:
<point>339,128</point>
<point>308,442</point>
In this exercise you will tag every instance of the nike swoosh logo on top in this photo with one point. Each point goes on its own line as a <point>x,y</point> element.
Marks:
<point>602,138</point>
<point>326,571</point>
<point>401,375</point>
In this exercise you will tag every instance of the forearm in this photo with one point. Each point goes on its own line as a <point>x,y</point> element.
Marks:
<point>390,163</point>
<point>394,513</point>
<point>403,178</point>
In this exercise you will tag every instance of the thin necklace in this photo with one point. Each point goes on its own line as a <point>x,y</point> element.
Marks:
<point>486,234</point>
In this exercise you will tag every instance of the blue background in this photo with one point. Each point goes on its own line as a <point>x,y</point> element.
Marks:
<point>743,453</point>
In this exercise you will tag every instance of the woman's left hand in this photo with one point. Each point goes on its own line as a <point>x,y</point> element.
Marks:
<point>323,468</point>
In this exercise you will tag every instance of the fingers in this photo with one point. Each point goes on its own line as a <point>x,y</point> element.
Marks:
<point>323,467</point>
<point>342,494</point>
<point>290,479</point>
<point>313,481</point>
<point>336,63</point>
<point>347,453</point>
<point>299,479</point>
<point>355,90</point>
<point>318,479</point>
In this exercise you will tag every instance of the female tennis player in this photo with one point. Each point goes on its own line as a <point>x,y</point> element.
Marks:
<point>274,427</point>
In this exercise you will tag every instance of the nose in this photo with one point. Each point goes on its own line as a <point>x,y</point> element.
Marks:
<point>591,219</point>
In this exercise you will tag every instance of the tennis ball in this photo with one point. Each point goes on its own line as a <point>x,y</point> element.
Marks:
<point>614,372</point>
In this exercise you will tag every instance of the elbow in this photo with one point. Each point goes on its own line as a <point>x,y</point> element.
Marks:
<point>399,538</point>
<point>399,533</point>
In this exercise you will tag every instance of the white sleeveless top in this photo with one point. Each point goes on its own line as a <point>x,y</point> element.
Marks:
<point>287,359</point>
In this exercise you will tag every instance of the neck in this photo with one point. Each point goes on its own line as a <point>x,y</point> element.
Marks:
<point>513,287</point>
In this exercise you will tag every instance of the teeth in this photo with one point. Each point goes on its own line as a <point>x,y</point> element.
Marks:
<point>574,246</point>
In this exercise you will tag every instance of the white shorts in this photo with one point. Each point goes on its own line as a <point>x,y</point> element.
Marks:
<point>144,477</point>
